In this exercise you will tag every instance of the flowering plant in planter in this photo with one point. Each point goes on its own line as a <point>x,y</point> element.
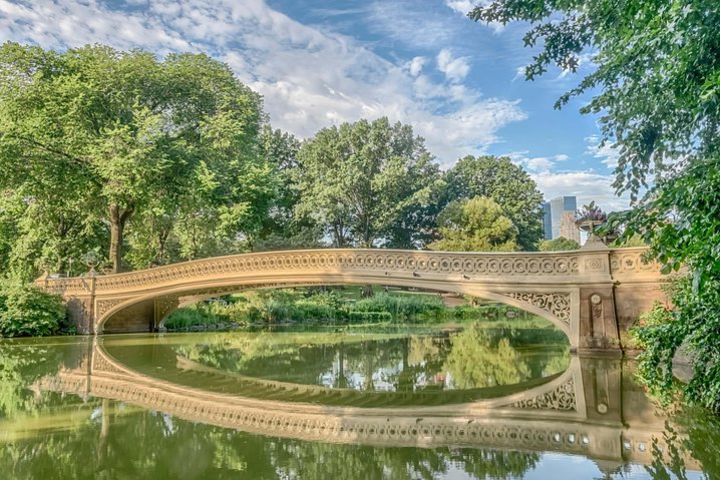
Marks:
<point>590,217</point>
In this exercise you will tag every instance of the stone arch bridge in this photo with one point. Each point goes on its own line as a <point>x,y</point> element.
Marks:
<point>593,295</point>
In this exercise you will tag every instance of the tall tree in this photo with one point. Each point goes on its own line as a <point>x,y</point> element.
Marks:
<point>129,129</point>
<point>507,184</point>
<point>360,179</point>
<point>283,228</point>
<point>476,224</point>
<point>656,83</point>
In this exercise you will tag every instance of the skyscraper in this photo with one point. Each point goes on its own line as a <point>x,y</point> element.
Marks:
<point>559,219</point>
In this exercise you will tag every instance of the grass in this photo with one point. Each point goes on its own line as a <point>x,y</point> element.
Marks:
<point>340,306</point>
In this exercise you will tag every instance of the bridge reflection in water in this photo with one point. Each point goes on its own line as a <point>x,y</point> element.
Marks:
<point>587,410</point>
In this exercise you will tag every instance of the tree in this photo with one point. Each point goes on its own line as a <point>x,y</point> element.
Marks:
<point>507,184</point>
<point>117,131</point>
<point>49,232</point>
<point>282,228</point>
<point>477,224</point>
<point>656,85</point>
<point>359,180</point>
<point>558,244</point>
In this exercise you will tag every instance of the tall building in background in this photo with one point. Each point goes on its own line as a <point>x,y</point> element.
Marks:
<point>559,219</point>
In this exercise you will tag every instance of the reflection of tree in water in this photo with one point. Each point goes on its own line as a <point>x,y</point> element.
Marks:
<point>486,464</point>
<point>423,349</point>
<point>556,364</point>
<point>700,440</point>
<point>22,362</point>
<point>147,445</point>
<point>476,361</point>
<point>476,357</point>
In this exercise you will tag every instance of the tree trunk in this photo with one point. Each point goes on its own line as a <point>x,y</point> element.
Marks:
<point>118,219</point>
<point>367,291</point>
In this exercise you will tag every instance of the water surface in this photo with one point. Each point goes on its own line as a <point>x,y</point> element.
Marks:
<point>424,403</point>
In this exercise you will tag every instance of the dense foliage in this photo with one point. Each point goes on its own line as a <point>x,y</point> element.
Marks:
<point>656,84</point>
<point>27,310</point>
<point>476,224</point>
<point>120,147</point>
<point>558,244</point>
<point>507,184</point>
<point>362,182</point>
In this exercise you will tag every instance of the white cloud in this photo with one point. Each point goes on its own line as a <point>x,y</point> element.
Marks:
<point>462,6</point>
<point>606,152</point>
<point>455,69</point>
<point>416,65</point>
<point>309,78</point>
<point>585,185</point>
<point>536,164</point>
<point>465,6</point>
<point>403,22</point>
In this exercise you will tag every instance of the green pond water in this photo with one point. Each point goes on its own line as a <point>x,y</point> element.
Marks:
<point>375,403</point>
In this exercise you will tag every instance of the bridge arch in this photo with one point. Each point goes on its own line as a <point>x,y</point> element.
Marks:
<point>593,294</point>
<point>181,295</point>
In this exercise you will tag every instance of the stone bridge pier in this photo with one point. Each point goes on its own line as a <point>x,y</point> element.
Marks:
<point>593,295</point>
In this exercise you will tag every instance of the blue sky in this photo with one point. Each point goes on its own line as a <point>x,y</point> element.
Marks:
<point>319,62</point>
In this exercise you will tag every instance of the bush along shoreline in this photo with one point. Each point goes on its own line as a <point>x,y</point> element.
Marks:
<point>26,310</point>
<point>329,307</point>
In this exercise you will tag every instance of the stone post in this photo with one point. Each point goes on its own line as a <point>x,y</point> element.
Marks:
<point>598,321</point>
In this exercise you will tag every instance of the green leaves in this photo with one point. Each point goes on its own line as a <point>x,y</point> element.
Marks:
<point>364,181</point>
<point>507,184</point>
<point>141,147</point>
<point>558,244</point>
<point>655,82</point>
<point>477,224</point>
<point>25,310</point>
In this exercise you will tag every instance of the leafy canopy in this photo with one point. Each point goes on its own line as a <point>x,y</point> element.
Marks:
<point>477,224</point>
<point>360,180</point>
<point>505,183</point>
<point>558,244</point>
<point>124,136</point>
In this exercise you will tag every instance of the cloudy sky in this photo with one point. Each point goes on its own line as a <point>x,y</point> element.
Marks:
<point>322,62</point>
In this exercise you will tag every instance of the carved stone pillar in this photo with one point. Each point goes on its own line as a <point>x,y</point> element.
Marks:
<point>598,322</point>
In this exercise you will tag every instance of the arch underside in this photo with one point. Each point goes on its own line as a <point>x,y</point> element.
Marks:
<point>560,395</point>
<point>553,303</point>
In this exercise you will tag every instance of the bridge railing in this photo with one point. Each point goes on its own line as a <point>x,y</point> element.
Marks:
<point>623,263</point>
<point>506,264</point>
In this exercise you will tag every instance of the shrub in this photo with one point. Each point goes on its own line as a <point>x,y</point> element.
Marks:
<point>693,322</point>
<point>402,307</point>
<point>26,310</point>
<point>558,244</point>
<point>184,318</point>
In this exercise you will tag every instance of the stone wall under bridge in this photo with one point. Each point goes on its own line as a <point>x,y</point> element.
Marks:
<point>593,295</point>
